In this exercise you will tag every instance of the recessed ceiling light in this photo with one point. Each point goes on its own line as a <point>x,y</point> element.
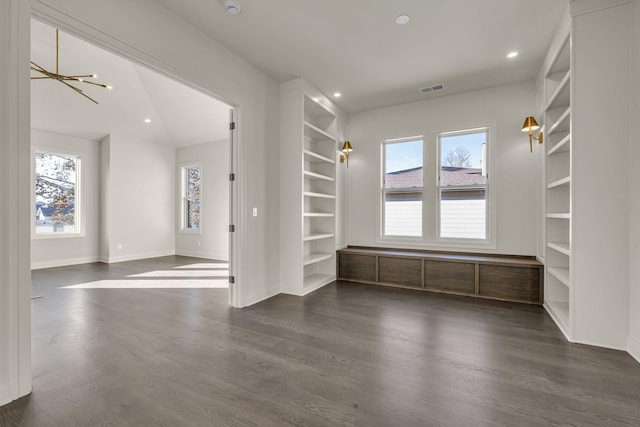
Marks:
<point>402,19</point>
<point>512,55</point>
<point>337,94</point>
<point>147,120</point>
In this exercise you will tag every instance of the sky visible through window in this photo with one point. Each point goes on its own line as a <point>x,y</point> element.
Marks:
<point>408,155</point>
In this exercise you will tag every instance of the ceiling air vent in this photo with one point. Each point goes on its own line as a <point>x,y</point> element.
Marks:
<point>431,88</point>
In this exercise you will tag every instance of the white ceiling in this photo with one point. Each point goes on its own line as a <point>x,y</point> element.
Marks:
<point>179,115</point>
<point>355,46</point>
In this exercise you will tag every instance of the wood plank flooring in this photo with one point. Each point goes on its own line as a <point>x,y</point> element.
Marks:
<point>346,355</point>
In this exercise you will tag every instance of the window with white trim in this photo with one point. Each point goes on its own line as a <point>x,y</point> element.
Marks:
<point>191,203</point>
<point>402,187</point>
<point>435,189</point>
<point>463,184</point>
<point>57,198</point>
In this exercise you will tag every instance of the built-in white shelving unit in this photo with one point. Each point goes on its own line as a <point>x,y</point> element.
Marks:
<point>308,188</point>
<point>558,145</point>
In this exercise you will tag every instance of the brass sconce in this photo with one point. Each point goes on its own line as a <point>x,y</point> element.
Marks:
<point>346,149</point>
<point>530,125</point>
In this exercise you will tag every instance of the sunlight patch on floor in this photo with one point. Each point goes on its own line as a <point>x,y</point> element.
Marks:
<point>153,284</point>
<point>204,266</point>
<point>183,273</point>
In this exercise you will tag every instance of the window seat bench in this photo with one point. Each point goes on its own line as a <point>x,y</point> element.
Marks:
<point>501,277</point>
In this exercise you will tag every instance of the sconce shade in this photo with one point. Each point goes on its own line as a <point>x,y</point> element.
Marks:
<point>347,147</point>
<point>530,124</point>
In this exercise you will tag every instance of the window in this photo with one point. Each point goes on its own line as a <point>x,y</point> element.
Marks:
<point>191,215</point>
<point>463,185</point>
<point>402,187</point>
<point>435,190</point>
<point>57,181</point>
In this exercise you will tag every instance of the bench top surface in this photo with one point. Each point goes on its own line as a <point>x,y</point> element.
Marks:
<point>443,256</point>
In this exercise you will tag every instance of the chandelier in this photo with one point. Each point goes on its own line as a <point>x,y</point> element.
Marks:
<point>65,79</point>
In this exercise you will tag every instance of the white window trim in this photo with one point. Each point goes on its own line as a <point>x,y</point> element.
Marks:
<point>181,202</point>
<point>430,239</point>
<point>381,196</point>
<point>79,205</point>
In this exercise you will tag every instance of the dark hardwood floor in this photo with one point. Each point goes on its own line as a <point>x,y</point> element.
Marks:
<point>109,354</point>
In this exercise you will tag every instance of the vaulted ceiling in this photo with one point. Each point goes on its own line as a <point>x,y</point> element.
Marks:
<point>179,115</point>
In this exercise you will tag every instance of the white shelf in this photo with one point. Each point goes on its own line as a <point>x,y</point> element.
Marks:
<point>314,175</point>
<point>562,274</point>
<point>559,311</point>
<point>560,182</point>
<point>318,214</point>
<point>559,215</point>
<point>561,247</point>
<point>314,258</point>
<point>319,195</point>
<point>562,124</point>
<point>317,134</point>
<point>316,280</point>
<point>561,96</point>
<point>310,237</point>
<point>318,157</point>
<point>562,146</point>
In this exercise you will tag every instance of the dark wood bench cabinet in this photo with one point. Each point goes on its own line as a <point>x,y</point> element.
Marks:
<point>503,277</point>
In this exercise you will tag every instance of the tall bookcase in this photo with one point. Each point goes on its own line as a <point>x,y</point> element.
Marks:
<point>308,188</point>
<point>558,191</point>
<point>586,80</point>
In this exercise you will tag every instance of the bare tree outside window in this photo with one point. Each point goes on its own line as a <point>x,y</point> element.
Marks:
<point>459,157</point>
<point>191,198</point>
<point>56,181</point>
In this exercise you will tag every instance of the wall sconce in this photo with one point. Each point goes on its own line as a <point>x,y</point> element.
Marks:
<point>530,125</point>
<point>346,149</point>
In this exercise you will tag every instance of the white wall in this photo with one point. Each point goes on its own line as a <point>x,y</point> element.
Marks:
<point>15,184</point>
<point>140,201</point>
<point>213,239</point>
<point>53,252</point>
<point>515,167</point>
<point>633,344</point>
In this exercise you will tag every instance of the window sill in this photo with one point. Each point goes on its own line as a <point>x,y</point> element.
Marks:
<point>190,231</point>
<point>440,244</point>
<point>49,236</point>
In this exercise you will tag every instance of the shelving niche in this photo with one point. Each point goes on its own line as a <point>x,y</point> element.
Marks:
<point>558,185</point>
<point>308,176</point>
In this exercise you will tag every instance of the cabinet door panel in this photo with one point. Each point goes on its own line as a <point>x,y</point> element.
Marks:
<point>519,283</point>
<point>357,267</point>
<point>450,276</point>
<point>400,271</point>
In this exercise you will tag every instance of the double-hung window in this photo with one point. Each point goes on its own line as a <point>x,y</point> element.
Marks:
<point>57,201</point>
<point>191,187</point>
<point>402,187</point>
<point>435,189</point>
<point>463,184</point>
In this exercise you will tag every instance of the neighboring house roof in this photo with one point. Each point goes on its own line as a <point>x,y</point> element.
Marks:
<point>450,176</point>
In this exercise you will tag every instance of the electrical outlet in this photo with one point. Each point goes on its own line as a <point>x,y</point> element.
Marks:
<point>255,211</point>
<point>119,246</point>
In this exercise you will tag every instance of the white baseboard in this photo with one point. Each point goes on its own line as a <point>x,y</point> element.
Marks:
<point>310,289</point>
<point>601,345</point>
<point>63,262</point>
<point>5,394</point>
<point>196,254</point>
<point>133,257</point>
<point>261,295</point>
<point>633,347</point>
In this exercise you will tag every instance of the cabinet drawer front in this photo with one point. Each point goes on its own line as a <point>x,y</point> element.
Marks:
<point>357,267</point>
<point>450,276</point>
<point>401,271</point>
<point>518,283</point>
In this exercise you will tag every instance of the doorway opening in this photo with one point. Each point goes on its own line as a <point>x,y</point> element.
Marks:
<point>151,160</point>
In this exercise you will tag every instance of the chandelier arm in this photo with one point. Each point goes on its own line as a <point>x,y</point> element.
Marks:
<point>79,91</point>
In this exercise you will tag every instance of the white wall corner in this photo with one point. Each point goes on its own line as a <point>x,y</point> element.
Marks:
<point>633,347</point>
<point>261,295</point>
